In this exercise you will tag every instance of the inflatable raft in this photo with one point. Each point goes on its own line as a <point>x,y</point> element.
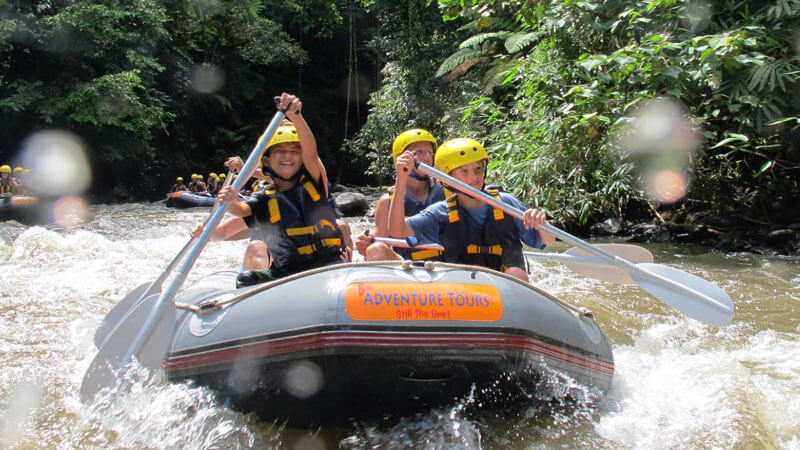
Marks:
<point>380,338</point>
<point>185,199</point>
<point>21,208</point>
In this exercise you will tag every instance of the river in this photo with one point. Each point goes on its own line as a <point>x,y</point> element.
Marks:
<point>678,383</point>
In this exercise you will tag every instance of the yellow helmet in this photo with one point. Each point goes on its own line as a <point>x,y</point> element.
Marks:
<point>5,168</point>
<point>222,175</point>
<point>408,137</point>
<point>212,175</point>
<point>459,152</point>
<point>179,179</point>
<point>18,169</point>
<point>286,133</point>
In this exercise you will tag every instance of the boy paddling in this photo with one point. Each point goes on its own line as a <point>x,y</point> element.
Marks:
<point>471,231</point>
<point>297,220</point>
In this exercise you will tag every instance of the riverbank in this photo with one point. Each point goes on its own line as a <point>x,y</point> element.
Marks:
<point>726,234</point>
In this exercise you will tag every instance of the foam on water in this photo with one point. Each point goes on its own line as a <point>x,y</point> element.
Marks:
<point>684,386</point>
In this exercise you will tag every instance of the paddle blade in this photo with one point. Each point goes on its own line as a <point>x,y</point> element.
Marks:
<point>691,295</point>
<point>107,364</point>
<point>118,312</point>
<point>605,271</point>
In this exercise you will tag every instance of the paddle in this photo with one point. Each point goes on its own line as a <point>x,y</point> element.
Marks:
<point>694,296</point>
<point>581,262</point>
<point>143,291</point>
<point>151,323</point>
<point>409,242</point>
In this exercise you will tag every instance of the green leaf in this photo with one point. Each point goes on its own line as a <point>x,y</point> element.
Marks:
<point>731,138</point>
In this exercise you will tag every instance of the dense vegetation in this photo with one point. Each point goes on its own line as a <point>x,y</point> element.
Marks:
<point>161,88</point>
<point>559,84</point>
<point>551,88</point>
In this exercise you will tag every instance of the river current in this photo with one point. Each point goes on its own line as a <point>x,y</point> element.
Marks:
<point>678,383</point>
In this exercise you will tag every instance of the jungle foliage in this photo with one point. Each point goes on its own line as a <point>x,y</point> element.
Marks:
<point>551,88</point>
<point>164,88</point>
<point>564,79</point>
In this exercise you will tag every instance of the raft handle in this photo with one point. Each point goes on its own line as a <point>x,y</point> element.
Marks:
<point>207,307</point>
<point>585,314</point>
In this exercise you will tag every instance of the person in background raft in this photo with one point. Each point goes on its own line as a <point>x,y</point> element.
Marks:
<point>18,181</point>
<point>421,192</point>
<point>212,183</point>
<point>196,185</point>
<point>471,231</point>
<point>295,214</point>
<point>178,186</point>
<point>6,182</point>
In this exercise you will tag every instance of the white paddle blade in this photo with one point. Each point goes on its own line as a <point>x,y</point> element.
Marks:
<point>691,295</point>
<point>118,312</point>
<point>608,272</point>
<point>106,365</point>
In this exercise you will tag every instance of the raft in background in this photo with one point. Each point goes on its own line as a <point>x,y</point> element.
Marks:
<point>369,340</point>
<point>22,208</point>
<point>185,199</point>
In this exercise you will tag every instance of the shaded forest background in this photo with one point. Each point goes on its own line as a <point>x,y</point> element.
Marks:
<point>160,88</point>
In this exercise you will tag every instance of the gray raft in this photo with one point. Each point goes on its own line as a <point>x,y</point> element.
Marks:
<point>381,338</point>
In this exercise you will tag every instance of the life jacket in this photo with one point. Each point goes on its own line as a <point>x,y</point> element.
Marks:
<point>497,246</point>
<point>194,187</point>
<point>6,186</point>
<point>301,236</point>
<point>413,206</point>
<point>258,185</point>
<point>178,187</point>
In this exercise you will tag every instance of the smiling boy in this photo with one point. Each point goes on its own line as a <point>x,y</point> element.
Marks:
<point>296,217</point>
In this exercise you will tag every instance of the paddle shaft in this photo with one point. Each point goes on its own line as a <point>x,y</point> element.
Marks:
<point>211,224</point>
<point>404,244</point>
<point>560,257</point>
<point>566,237</point>
<point>158,281</point>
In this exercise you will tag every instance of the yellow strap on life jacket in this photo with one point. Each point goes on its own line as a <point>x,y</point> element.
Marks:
<point>474,249</point>
<point>311,248</point>
<point>312,191</point>
<point>272,205</point>
<point>311,229</point>
<point>498,213</point>
<point>425,254</point>
<point>452,209</point>
<point>452,205</point>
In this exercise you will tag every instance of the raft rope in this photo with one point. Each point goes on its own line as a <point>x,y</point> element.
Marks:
<point>209,306</point>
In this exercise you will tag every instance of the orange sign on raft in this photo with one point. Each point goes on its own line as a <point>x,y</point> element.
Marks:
<point>423,301</point>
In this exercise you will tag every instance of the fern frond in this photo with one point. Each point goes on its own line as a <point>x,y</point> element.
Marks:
<point>458,58</point>
<point>478,39</point>
<point>518,41</point>
<point>462,68</point>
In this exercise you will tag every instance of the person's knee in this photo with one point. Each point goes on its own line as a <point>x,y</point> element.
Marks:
<point>255,256</point>
<point>379,251</point>
<point>256,248</point>
<point>516,272</point>
<point>344,228</point>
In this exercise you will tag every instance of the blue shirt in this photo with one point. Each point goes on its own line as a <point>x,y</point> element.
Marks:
<point>430,222</point>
